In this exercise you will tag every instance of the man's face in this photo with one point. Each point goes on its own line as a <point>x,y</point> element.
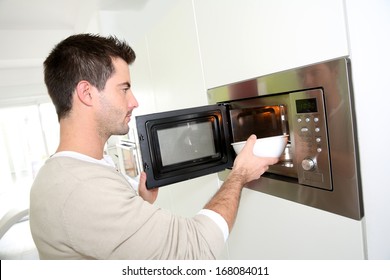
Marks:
<point>116,102</point>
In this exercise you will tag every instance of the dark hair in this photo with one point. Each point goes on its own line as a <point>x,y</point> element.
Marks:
<point>81,57</point>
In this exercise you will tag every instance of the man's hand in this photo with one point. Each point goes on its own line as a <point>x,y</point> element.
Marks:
<point>249,166</point>
<point>148,195</point>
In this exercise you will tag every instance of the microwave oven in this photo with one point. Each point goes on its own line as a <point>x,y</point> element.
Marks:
<point>312,105</point>
<point>183,144</point>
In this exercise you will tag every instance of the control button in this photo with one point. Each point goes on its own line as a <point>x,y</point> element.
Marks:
<point>316,119</point>
<point>318,139</point>
<point>304,129</point>
<point>317,129</point>
<point>319,150</point>
<point>299,120</point>
<point>307,119</point>
<point>308,164</point>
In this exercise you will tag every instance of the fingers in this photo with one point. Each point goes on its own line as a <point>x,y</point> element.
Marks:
<point>250,143</point>
<point>147,195</point>
<point>142,182</point>
<point>142,179</point>
<point>249,165</point>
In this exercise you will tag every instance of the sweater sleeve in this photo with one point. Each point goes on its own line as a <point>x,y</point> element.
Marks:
<point>111,221</point>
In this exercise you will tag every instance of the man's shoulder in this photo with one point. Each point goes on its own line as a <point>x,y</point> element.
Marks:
<point>71,164</point>
<point>71,170</point>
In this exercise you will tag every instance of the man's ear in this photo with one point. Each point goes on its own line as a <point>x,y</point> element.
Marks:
<point>83,91</point>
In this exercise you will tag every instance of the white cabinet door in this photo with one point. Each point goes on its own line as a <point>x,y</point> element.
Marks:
<point>174,60</point>
<point>244,39</point>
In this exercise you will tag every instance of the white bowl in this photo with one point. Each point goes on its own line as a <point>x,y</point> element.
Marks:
<point>265,147</point>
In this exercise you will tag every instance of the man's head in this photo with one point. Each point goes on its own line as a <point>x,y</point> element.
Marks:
<point>81,57</point>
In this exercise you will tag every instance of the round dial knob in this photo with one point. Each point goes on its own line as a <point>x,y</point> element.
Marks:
<point>308,164</point>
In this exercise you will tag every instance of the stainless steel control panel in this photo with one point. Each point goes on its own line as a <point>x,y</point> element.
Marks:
<point>311,139</point>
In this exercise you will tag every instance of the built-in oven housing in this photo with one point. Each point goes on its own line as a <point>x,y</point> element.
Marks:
<point>313,105</point>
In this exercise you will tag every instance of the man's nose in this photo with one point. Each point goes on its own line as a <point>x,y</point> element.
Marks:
<point>132,101</point>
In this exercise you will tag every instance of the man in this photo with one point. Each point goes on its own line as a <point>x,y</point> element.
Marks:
<point>81,206</point>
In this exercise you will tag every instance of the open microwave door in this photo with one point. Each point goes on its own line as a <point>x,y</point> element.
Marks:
<point>184,144</point>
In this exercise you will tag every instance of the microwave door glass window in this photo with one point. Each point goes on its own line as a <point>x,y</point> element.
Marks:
<point>186,142</point>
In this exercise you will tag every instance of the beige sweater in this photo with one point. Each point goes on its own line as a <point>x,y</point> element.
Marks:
<point>84,210</point>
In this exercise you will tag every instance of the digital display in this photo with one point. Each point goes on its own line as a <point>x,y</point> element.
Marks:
<point>185,142</point>
<point>306,105</point>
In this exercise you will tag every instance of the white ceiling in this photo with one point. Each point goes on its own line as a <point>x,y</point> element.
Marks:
<point>56,14</point>
<point>29,29</point>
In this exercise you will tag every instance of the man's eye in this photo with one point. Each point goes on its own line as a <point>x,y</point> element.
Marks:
<point>125,90</point>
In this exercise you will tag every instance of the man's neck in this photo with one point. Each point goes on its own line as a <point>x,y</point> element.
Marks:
<point>81,139</point>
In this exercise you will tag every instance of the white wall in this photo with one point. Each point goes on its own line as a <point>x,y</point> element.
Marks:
<point>369,25</point>
<point>28,31</point>
<point>21,70</point>
<point>195,45</point>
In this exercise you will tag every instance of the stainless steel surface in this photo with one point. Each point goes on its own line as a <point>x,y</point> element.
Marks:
<point>301,116</point>
<point>322,169</point>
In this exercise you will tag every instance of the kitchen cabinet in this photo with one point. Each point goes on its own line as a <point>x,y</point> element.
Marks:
<point>240,40</point>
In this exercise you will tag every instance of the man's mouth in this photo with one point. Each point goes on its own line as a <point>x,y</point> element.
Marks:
<point>128,115</point>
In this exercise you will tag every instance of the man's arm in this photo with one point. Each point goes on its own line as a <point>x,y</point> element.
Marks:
<point>247,167</point>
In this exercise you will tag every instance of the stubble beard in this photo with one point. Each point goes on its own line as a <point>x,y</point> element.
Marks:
<point>111,126</point>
